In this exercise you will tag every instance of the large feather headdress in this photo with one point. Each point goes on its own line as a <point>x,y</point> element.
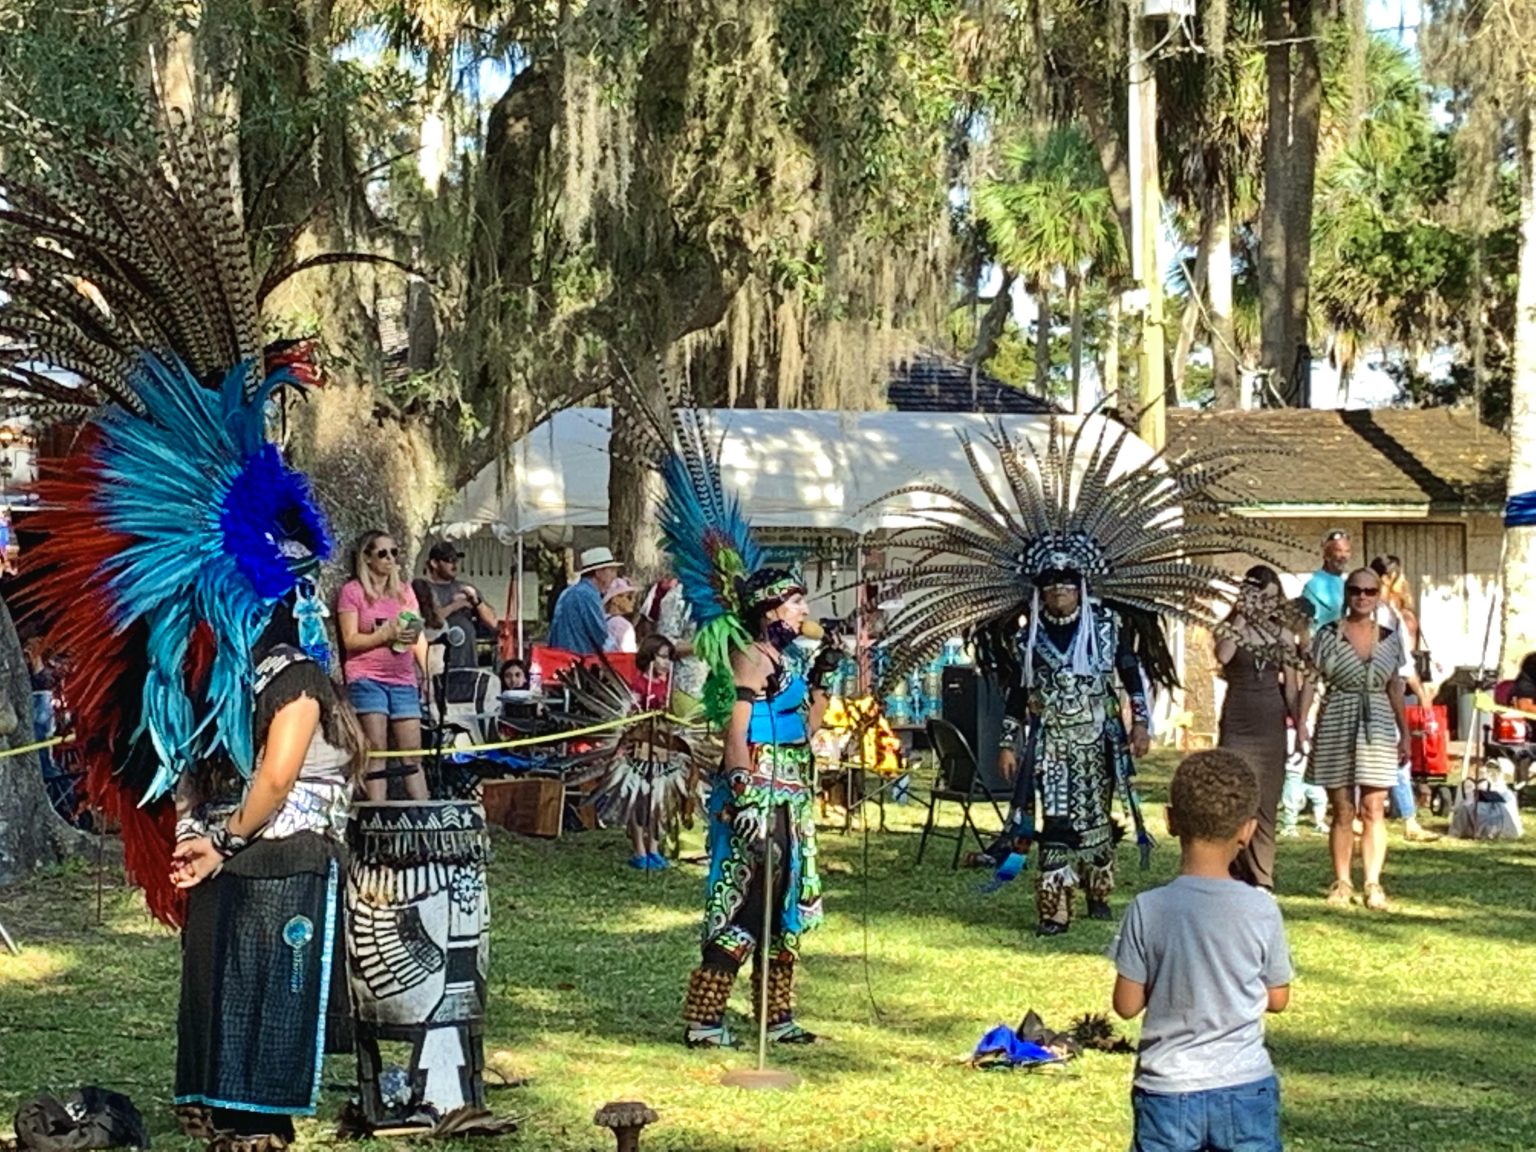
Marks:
<point>173,528</point>
<point>719,565</point>
<point>1140,538</point>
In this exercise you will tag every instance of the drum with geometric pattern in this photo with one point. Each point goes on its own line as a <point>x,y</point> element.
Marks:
<point>418,931</point>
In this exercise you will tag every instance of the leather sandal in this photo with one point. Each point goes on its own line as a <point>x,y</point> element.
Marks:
<point>1341,894</point>
<point>1376,898</point>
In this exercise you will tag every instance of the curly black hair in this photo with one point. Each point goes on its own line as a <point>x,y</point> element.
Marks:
<point>1213,794</point>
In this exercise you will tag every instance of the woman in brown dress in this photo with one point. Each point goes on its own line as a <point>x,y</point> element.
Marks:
<point>1262,696</point>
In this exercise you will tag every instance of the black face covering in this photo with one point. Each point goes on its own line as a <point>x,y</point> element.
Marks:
<point>780,635</point>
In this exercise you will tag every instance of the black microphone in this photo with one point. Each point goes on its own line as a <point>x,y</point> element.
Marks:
<point>452,636</point>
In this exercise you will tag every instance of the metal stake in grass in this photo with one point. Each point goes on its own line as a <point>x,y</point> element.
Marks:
<point>764,1078</point>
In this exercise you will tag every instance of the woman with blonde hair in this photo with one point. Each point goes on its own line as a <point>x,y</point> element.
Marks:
<point>1361,733</point>
<point>380,622</point>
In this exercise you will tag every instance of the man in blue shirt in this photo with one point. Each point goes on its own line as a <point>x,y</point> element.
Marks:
<point>579,623</point>
<point>1325,589</point>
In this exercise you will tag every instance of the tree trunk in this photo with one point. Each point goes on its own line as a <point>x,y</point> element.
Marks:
<point>1276,345</point>
<point>1218,272</point>
<point>1301,177</point>
<point>1111,371</point>
<point>1191,322</point>
<point>31,834</point>
<point>993,321</point>
<point>1042,294</point>
<point>1075,301</point>
<point>633,491</point>
<point>1105,126</point>
<point>1519,623</point>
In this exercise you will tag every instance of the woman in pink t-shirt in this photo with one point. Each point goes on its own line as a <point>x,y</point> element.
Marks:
<point>380,624</point>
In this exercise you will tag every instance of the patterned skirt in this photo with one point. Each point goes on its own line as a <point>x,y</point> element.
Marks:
<point>1351,750</point>
<point>734,860</point>
<point>262,969</point>
<point>1074,767</point>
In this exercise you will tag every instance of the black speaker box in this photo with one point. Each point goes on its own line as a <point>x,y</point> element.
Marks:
<point>973,703</point>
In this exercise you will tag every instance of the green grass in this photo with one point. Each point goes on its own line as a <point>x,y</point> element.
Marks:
<point>1412,1030</point>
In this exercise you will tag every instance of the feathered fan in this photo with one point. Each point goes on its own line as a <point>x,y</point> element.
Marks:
<point>1141,536</point>
<point>173,528</point>
<point>649,769</point>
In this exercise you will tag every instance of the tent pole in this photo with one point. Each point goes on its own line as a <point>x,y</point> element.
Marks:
<point>859,618</point>
<point>521,652</point>
<point>1493,604</point>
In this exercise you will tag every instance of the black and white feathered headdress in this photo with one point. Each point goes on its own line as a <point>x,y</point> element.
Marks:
<point>1137,538</point>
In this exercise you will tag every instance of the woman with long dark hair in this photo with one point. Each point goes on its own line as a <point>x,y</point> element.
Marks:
<point>760,809</point>
<point>263,989</point>
<point>1262,697</point>
<point>1361,734</point>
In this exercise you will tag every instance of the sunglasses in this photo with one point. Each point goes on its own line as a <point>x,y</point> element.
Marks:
<point>1334,537</point>
<point>386,553</point>
<point>1361,590</point>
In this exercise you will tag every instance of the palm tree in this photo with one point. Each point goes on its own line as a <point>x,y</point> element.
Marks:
<point>1211,112</point>
<point>1385,259</point>
<point>1050,215</point>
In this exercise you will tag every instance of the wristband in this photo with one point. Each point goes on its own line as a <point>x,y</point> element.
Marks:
<point>226,843</point>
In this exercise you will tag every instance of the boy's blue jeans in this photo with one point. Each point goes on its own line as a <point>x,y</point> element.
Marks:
<point>1401,793</point>
<point>1244,1118</point>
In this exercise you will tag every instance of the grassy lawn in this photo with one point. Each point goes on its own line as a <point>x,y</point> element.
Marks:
<point>1411,1030</point>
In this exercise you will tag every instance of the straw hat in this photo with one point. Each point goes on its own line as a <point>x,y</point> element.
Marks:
<point>595,558</point>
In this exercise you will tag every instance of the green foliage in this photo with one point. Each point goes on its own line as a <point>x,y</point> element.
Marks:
<point>79,66</point>
<point>1399,260</point>
<point>1050,212</point>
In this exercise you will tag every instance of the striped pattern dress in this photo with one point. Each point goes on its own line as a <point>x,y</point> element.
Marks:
<point>1355,741</point>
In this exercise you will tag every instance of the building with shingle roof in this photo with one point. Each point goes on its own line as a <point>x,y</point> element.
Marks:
<point>1426,485</point>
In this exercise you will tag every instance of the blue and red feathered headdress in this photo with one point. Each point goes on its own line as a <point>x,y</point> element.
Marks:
<point>173,530</point>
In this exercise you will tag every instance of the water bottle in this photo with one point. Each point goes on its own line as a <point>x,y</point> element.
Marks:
<point>535,677</point>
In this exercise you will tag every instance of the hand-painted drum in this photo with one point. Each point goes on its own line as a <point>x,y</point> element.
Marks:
<point>418,931</point>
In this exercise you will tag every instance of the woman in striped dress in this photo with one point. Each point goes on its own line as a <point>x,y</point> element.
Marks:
<point>1361,734</point>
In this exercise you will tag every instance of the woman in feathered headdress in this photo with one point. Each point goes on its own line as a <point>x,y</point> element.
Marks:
<point>760,800</point>
<point>177,574</point>
<point>1090,554</point>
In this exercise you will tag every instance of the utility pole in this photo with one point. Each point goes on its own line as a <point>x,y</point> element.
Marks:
<point>1147,213</point>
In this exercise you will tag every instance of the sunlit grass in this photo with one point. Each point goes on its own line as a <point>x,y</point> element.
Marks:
<point>1415,1030</point>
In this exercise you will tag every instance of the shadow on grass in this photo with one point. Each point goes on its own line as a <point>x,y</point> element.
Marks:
<point>1426,1088</point>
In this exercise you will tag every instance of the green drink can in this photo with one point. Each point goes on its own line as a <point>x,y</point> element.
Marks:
<point>405,621</point>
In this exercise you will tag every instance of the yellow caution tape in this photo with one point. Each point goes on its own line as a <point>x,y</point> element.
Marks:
<point>529,741</point>
<point>37,747</point>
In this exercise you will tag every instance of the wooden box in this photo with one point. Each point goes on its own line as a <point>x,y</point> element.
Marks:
<point>532,807</point>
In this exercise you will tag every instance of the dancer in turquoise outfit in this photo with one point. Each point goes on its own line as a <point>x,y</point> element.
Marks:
<point>748,614</point>
<point>760,808</point>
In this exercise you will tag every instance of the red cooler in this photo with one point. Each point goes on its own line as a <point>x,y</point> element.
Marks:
<point>1427,732</point>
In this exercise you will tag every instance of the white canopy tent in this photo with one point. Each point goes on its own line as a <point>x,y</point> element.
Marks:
<point>791,468</point>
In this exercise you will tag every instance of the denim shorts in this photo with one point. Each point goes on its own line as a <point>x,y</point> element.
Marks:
<point>397,701</point>
<point>1243,1118</point>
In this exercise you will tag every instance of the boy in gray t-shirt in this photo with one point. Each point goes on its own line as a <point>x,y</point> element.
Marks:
<point>1206,957</point>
